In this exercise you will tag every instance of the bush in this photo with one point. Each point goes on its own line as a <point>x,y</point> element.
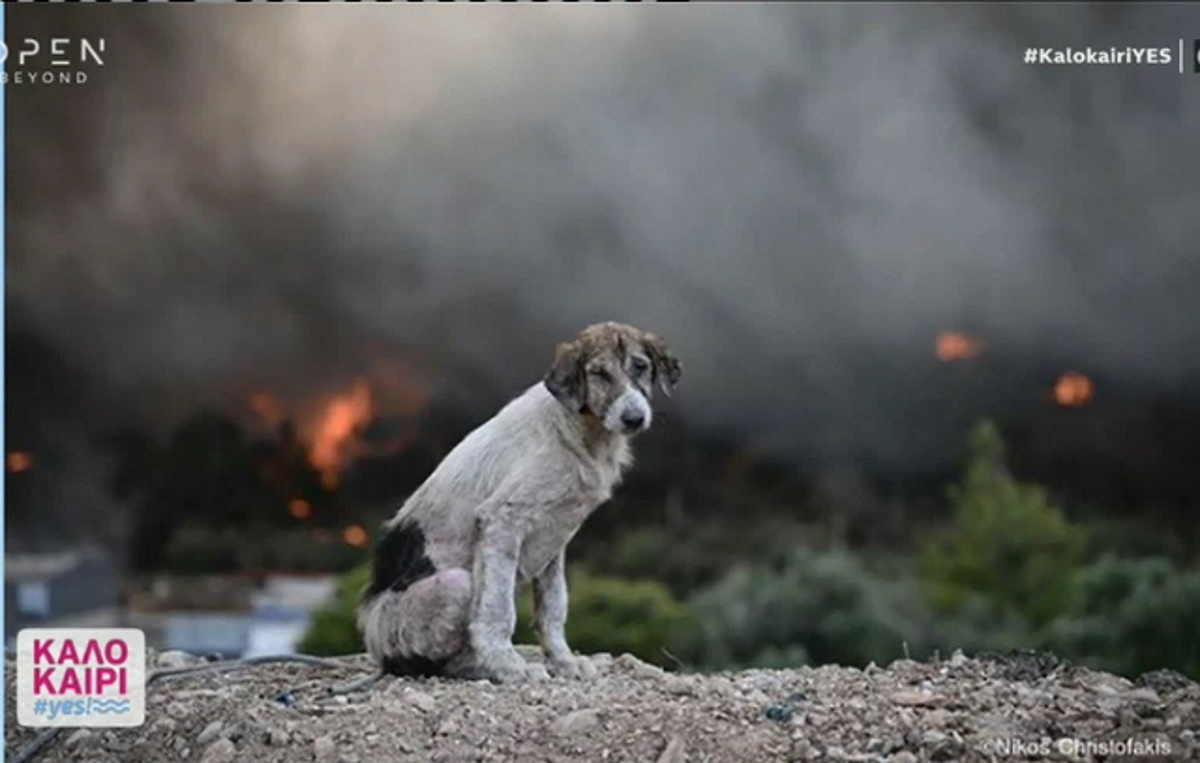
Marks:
<point>334,628</point>
<point>689,561</point>
<point>616,615</point>
<point>1008,547</point>
<point>606,615</point>
<point>1136,615</point>
<point>821,607</point>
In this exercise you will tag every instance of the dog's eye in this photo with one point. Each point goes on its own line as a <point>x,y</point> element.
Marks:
<point>601,374</point>
<point>639,365</point>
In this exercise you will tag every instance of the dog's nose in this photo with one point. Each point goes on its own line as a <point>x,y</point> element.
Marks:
<point>633,419</point>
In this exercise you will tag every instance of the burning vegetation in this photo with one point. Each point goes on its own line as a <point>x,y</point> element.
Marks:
<point>18,461</point>
<point>955,346</point>
<point>1073,390</point>
<point>343,418</point>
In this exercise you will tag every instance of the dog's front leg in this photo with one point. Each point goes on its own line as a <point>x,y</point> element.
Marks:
<point>494,612</point>
<point>550,619</point>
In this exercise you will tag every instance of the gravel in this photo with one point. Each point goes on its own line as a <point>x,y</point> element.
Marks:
<point>1016,707</point>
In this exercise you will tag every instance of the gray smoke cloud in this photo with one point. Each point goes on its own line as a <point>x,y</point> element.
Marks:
<point>798,197</point>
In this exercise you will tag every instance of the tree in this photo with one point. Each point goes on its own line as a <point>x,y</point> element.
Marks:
<point>1008,544</point>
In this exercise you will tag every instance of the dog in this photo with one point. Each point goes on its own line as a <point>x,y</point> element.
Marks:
<point>502,506</point>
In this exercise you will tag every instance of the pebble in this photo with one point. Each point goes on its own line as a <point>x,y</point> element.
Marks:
<point>176,659</point>
<point>639,668</point>
<point>916,698</point>
<point>448,727</point>
<point>420,700</point>
<point>79,738</point>
<point>904,756</point>
<point>674,752</point>
<point>577,722</point>
<point>178,710</point>
<point>220,751</point>
<point>1144,694</point>
<point>324,750</point>
<point>210,733</point>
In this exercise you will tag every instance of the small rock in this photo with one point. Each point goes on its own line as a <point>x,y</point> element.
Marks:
<point>578,722</point>
<point>286,699</point>
<point>220,751</point>
<point>675,751</point>
<point>420,700</point>
<point>278,738</point>
<point>210,733</point>
<point>448,727</point>
<point>681,686</point>
<point>904,756</point>
<point>395,708</point>
<point>176,659</point>
<point>80,738</point>
<point>178,710</point>
<point>1144,694</point>
<point>938,719</point>
<point>916,699</point>
<point>638,668</point>
<point>958,659</point>
<point>324,750</point>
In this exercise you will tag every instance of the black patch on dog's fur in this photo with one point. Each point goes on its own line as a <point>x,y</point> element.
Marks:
<point>399,561</point>
<point>413,667</point>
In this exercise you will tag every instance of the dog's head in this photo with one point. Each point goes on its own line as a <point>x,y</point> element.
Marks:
<point>609,371</point>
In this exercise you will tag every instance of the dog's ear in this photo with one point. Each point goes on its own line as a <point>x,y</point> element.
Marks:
<point>667,368</point>
<point>565,379</point>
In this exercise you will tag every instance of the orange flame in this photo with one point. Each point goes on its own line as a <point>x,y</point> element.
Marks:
<point>955,345</point>
<point>1073,390</point>
<point>18,462</point>
<point>355,535</point>
<point>343,417</point>
<point>268,410</point>
<point>300,508</point>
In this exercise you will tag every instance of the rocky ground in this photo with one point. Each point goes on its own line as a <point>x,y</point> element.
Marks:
<point>1017,707</point>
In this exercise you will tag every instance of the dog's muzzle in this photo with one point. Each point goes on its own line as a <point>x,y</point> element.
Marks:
<point>629,414</point>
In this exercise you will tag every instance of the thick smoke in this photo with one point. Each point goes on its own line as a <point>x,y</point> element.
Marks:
<point>798,197</point>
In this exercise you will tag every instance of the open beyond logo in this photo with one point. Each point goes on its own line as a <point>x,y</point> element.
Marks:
<point>53,61</point>
<point>81,677</point>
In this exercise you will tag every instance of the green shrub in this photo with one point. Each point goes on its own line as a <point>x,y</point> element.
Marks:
<point>820,607</point>
<point>616,615</point>
<point>333,629</point>
<point>1135,615</point>
<point>1008,546</point>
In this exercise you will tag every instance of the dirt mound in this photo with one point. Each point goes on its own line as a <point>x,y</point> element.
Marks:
<point>991,708</point>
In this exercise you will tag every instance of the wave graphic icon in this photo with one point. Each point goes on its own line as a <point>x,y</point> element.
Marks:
<point>109,706</point>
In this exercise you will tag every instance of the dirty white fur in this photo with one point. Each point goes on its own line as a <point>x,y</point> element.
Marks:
<point>502,506</point>
<point>503,503</point>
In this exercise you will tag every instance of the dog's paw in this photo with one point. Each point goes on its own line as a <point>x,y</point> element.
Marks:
<point>508,667</point>
<point>573,667</point>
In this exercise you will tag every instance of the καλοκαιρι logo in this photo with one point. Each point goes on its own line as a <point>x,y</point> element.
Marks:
<point>81,677</point>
